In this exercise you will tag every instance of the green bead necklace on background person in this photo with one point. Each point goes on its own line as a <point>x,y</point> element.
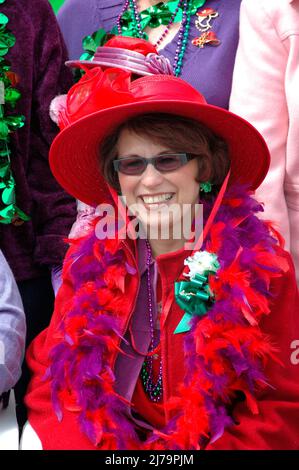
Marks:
<point>9,95</point>
<point>131,22</point>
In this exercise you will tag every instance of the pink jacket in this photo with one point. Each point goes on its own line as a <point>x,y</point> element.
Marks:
<point>265,92</point>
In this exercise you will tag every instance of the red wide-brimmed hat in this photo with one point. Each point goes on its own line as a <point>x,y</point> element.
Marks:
<point>102,100</point>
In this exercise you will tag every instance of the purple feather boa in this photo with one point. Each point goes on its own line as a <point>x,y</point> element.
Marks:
<point>84,367</point>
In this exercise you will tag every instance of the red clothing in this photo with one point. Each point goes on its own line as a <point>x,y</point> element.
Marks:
<point>272,425</point>
<point>276,425</point>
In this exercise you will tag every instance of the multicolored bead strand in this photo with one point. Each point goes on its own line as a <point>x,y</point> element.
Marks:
<point>136,17</point>
<point>167,28</point>
<point>153,389</point>
<point>125,7</point>
<point>182,40</point>
<point>183,34</point>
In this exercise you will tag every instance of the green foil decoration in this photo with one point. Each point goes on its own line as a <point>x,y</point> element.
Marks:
<point>9,212</point>
<point>154,16</point>
<point>90,44</point>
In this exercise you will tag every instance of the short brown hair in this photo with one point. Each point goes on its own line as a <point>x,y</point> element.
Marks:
<point>177,133</point>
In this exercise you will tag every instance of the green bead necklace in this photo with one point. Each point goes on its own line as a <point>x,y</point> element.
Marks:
<point>132,23</point>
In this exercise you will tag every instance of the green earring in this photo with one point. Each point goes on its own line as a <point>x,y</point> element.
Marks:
<point>206,187</point>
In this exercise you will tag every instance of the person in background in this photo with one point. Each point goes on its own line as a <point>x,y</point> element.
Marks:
<point>32,240</point>
<point>165,336</point>
<point>12,329</point>
<point>265,91</point>
<point>202,36</point>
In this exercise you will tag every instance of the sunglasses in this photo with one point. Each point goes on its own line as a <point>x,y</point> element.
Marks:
<point>164,163</point>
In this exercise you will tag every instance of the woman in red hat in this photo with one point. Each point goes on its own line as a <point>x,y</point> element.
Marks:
<point>128,53</point>
<point>159,340</point>
<point>198,37</point>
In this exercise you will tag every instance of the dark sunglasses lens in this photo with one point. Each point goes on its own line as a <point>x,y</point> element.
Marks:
<point>131,166</point>
<point>169,162</point>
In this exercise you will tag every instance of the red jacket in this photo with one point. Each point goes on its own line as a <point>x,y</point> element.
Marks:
<point>272,424</point>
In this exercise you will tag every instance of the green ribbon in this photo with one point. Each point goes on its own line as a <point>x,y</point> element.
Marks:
<point>155,16</point>
<point>195,5</point>
<point>195,296</point>
<point>92,42</point>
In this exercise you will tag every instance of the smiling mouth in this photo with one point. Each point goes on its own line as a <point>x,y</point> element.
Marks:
<point>157,199</point>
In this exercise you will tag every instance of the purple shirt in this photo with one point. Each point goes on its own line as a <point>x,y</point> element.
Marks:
<point>128,365</point>
<point>140,329</point>
<point>209,69</point>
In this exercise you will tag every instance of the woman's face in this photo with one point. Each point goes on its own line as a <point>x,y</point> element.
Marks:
<point>153,196</point>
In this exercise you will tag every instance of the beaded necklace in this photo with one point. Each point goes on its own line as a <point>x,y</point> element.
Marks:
<point>230,339</point>
<point>153,388</point>
<point>131,23</point>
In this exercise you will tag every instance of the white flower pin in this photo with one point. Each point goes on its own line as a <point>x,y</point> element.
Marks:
<point>201,262</point>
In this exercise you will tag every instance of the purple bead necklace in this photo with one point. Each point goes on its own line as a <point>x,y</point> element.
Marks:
<point>183,34</point>
<point>118,21</point>
<point>167,27</point>
<point>154,389</point>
